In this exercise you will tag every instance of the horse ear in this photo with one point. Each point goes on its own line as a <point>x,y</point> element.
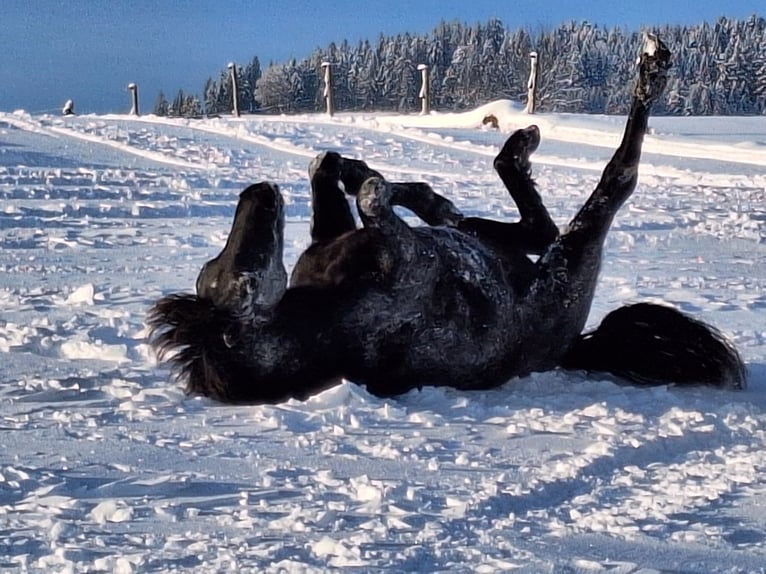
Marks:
<point>652,344</point>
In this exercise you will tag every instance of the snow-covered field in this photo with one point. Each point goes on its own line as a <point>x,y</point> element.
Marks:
<point>105,465</point>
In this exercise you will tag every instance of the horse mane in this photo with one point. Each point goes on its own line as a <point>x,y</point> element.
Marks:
<point>185,331</point>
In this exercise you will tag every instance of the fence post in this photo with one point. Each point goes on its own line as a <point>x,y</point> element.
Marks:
<point>328,88</point>
<point>532,83</point>
<point>424,95</point>
<point>133,89</point>
<point>234,89</point>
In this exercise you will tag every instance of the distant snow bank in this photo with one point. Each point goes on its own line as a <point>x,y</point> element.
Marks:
<point>508,114</point>
<point>729,139</point>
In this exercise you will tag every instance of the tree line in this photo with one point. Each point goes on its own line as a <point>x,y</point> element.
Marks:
<point>718,69</point>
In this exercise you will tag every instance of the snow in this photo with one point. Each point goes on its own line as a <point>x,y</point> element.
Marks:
<point>105,465</point>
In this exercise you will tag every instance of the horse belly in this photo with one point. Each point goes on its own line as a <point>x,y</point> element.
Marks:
<point>450,322</point>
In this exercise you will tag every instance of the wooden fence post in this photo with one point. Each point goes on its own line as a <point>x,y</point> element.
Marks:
<point>424,95</point>
<point>532,83</point>
<point>328,88</point>
<point>234,89</point>
<point>133,89</point>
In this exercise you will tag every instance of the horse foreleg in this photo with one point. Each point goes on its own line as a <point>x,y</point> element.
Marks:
<point>332,256</point>
<point>330,213</point>
<point>536,230</point>
<point>396,239</point>
<point>424,202</point>
<point>416,196</point>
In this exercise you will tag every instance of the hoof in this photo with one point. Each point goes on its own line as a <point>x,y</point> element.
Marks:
<point>327,163</point>
<point>374,198</point>
<point>653,66</point>
<point>353,173</point>
<point>517,149</point>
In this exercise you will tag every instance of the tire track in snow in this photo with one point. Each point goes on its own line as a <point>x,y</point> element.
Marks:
<point>554,132</point>
<point>55,131</point>
<point>578,136</point>
<point>555,127</point>
<point>292,149</point>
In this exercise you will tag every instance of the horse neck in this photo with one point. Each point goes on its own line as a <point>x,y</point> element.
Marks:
<point>291,345</point>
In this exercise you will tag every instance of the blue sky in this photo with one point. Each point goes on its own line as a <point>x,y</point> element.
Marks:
<point>89,50</point>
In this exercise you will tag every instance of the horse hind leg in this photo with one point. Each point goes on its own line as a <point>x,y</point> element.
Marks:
<point>643,343</point>
<point>536,230</point>
<point>621,173</point>
<point>513,166</point>
<point>249,275</point>
<point>578,251</point>
<point>568,271</point>
<point>581,245</point>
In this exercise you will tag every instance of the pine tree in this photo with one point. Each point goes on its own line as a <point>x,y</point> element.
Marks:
<point>718,68</point>
<point>161,105</point>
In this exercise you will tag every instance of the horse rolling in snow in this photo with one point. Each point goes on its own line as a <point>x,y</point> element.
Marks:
<point>458,303</point>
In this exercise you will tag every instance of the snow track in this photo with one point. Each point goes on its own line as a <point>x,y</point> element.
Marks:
<point>106,466</point>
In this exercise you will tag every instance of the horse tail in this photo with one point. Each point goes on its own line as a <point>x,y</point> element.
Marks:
<point>195,337</point>
<point>650,344</point>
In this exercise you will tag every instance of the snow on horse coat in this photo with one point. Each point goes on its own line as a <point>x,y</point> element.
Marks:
<point>458,303</point>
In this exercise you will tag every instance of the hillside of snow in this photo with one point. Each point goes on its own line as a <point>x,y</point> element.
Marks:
<point>106,466</point>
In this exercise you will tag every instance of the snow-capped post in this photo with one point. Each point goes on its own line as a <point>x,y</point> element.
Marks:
<point>133,89</point>
<point>532,83</point>
<point>234,89</point>
<point>424,89</point>
<point>328,87</point>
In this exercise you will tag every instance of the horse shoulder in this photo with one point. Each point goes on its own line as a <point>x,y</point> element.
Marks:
<point>355,255</point>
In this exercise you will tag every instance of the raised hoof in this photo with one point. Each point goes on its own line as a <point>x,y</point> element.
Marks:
<point>653,66</point>
<point>517,149</point>
<point>374,198</point>
<point>327,164</point>
<point>353,173</point>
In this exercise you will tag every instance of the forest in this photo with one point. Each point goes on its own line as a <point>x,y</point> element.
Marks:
<point>718,69</point>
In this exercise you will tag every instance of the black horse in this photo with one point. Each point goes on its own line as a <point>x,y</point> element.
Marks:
<point>458,303</point>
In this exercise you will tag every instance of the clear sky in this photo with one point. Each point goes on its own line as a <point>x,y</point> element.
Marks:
<point>89,50</point>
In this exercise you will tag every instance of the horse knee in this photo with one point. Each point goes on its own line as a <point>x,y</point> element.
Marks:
<point>351,173</point>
